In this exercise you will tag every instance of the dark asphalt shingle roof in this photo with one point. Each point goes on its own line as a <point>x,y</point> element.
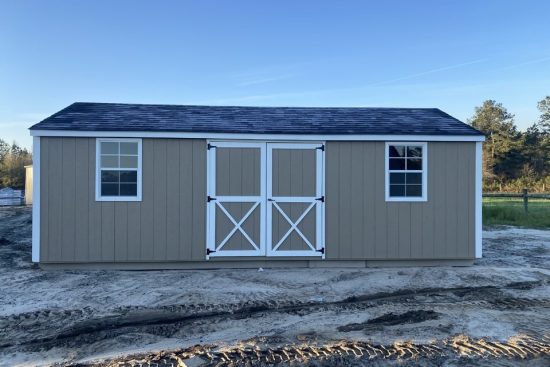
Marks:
<point>84,116</point>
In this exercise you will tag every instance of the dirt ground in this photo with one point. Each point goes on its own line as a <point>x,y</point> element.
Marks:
<point>495,313</point>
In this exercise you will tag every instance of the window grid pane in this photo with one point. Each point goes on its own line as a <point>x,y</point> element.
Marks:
<point>109,161</point>
<point>129,148</point>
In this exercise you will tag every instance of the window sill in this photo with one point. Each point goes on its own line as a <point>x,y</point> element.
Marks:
<point>118,198</point>
<point>406,199</point>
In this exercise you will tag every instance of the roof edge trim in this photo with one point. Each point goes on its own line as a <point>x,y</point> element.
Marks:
<point>241,136</point>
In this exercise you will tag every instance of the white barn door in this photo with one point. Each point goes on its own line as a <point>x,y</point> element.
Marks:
<point>265,199</point>
<point>295,199</point>
<point>236,199</point>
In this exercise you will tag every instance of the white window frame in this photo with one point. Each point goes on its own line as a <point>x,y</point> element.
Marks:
<point>98,169</point>
<point>424,172</point>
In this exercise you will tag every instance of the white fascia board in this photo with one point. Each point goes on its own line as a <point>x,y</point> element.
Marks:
<point>478,201</point>
<point>262,137</point>
<point>36,199</point>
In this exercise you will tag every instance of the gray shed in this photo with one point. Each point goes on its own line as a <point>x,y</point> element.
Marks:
<point>165,186</point>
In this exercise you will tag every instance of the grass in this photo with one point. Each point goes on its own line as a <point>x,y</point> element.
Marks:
<point>510,211</point>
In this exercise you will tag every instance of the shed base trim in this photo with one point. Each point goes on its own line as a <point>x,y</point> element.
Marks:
<point>251,264</point>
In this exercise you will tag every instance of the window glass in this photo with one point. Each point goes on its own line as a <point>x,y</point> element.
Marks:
<point>109,189</point>
<point>128,161</point>
<point>110,176</point>
<point>397,190</point>
<point>128,189</point>
<point>109,161</point>
<point>397,151</point>
<point>414,178</point>
<point>128,176</point>
<point>414,190</point>
<point>118,169</point>
<point>397,178</point>
<point>129,148</point>
<point>397,164</point>
<point>413,151</point>
<point>405,166</point>
<point>109,148</point>
<point>414,164</point>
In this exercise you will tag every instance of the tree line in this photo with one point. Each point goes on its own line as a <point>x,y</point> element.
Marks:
<point>13,160</point>
<point>513,160</point>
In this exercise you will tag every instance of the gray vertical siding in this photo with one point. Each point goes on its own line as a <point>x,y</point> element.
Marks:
<point>361,224</point>
<point>168,225</point>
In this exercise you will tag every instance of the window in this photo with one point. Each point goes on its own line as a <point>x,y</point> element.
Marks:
<point>118,169</point>
<point>406,171</point>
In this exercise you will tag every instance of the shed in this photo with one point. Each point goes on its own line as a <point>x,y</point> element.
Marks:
<point>28,185</point>
<point>165,186</point>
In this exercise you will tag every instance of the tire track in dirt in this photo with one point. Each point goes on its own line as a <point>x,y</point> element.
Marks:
<point>169,319</point>
<point>521,347</point>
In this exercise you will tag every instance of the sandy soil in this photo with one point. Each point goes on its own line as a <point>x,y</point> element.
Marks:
<point>494,313</point>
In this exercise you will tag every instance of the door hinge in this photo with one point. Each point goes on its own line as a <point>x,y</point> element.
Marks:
<point>321,250</point>
<point>208,251</point>
<point>210,146</point>
<point>322,148</point>
<point>321,199</point>
<point>210,198</point>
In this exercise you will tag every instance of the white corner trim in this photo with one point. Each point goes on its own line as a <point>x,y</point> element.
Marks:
<point>36,199</point>
<point>98,196</point>
<point>261,137</point>
<point>479,201</point>
<point>424,172</point>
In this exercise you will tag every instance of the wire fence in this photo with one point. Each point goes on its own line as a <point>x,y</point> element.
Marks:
<point>525,200</point>
<point>519,209</point>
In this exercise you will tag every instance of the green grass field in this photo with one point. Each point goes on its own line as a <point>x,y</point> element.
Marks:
<point>509,211</point>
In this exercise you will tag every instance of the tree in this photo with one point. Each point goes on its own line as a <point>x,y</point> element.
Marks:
<point>539,146</point>
<point>4,150</point>
<point>544,120</point>
<point>501,155</point>
<point>12,165</point>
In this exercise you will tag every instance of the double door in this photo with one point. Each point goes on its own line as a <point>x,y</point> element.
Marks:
<point>265,199</point>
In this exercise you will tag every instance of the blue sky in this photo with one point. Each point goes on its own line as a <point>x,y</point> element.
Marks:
<point>446,54</point>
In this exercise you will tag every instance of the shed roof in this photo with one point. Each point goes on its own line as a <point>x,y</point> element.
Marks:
<point>87,116</point>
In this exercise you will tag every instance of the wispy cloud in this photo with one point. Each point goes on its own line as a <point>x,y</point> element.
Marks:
<point>265,80</point>
<point>253,98</point>
<point>427,72</point>
<point>329,91</point>
<point>267,74</point>
<point>525,63</point>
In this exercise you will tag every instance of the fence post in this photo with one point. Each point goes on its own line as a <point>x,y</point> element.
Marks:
<point>525,199</point>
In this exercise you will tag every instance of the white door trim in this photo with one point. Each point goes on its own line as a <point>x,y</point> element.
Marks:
<point>273,251</point>
<point>213,201</point>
